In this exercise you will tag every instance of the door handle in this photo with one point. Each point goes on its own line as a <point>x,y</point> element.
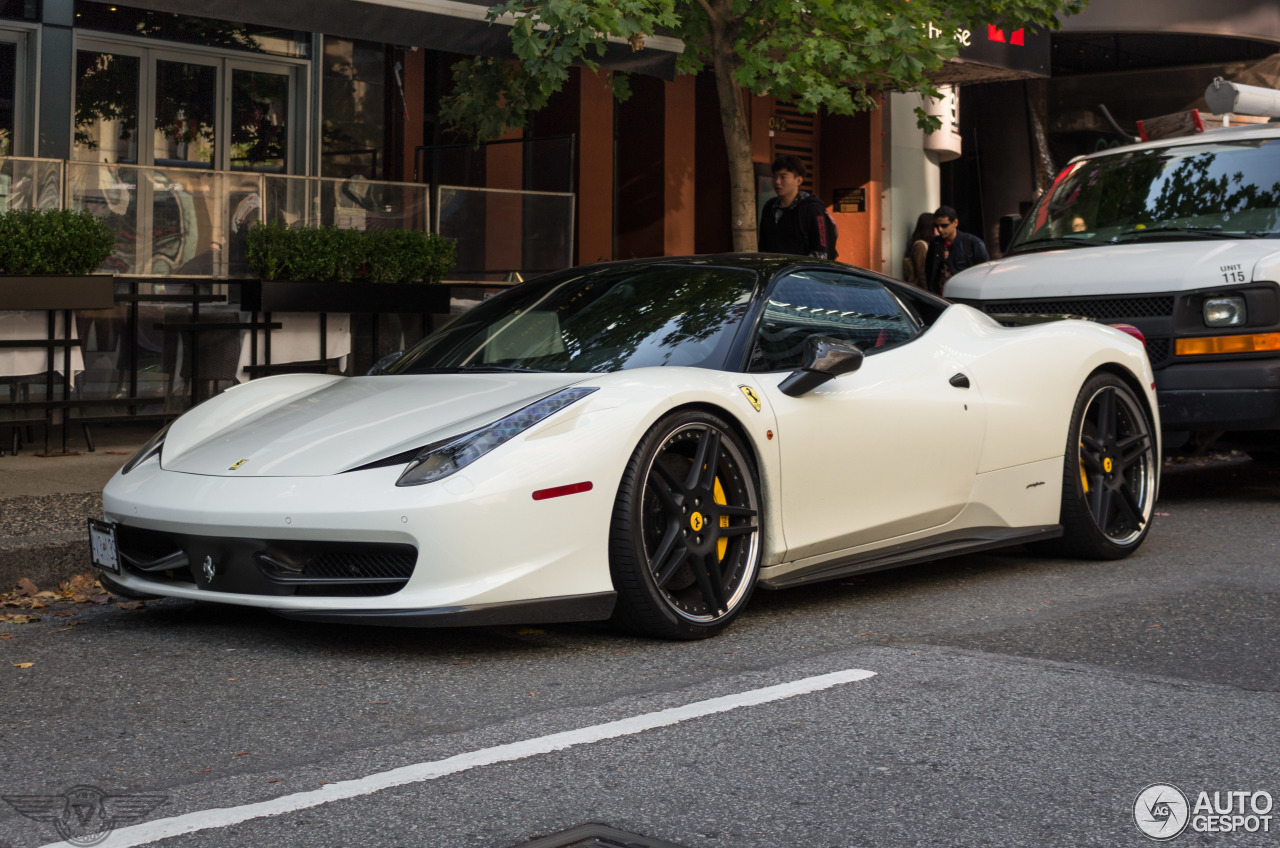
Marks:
<point>960,381</point>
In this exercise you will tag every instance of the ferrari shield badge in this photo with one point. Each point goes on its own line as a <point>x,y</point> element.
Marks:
<point>750,394</point>
<point>238,464</point>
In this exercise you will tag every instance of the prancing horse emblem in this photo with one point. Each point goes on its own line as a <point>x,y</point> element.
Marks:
<point>210,570</point>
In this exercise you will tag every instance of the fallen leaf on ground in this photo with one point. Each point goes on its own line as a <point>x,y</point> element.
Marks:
<point>232,679</point>
<point>379,702</point>
<point>26,588</point>
<point>240,753</point>
<point>7,636</point>
<point>22,665</point>
<point>47,595</point>
<point>131,605</point>
<point>277,780</point>
<point>65,613</point>
<point>19,618</point>
<point>99,599</point>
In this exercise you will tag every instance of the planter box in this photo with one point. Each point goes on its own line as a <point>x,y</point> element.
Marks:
<point>282,296</point>
<point>52,291</point>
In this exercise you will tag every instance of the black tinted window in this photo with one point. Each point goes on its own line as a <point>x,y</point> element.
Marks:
<point>849,308</point>
<point>605,320</point>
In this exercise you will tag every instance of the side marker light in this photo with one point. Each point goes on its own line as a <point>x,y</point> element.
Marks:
<point>561,491</point>
<point>1228,344</point>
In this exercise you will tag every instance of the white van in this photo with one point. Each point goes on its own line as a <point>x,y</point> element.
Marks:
<point>1180,238</point>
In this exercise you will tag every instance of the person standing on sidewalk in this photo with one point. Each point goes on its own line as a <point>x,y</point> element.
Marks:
<point>951,251</point>
<point>795,221</point>
<point>913,260</point>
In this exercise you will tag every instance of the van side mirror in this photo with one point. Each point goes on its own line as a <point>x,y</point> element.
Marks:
<point>824,359</point>
<point>381,366</point>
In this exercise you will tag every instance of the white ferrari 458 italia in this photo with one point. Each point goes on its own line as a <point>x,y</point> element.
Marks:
<point>646,442</point>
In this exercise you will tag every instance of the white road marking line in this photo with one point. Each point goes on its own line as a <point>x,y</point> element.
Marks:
<point>154,831</point>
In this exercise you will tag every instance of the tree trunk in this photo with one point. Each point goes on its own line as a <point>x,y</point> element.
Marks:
<point>737,134</point>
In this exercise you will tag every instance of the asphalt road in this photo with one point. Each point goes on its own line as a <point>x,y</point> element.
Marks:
<point>1013,701</point>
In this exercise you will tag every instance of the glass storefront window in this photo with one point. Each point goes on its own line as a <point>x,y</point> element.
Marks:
<point>167,26</point>
<point>259,121</point>
<point>106,108</point>
<point>23,10</point>
<point>8,96</point>
<point>186,107</point>
<point>354,109</point>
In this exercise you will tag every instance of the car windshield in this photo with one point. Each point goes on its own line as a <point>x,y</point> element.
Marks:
<point>609,319</point>
<point>1214,189</point>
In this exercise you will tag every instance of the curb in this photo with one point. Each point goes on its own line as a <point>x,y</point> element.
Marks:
<point>44,560</point>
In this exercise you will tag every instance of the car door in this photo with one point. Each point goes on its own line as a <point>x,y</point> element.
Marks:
<point>887,450</point>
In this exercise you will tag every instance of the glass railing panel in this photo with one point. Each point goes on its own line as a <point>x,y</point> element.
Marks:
<point>27,183</point>
<point>354,203</point>
<point>503,233</point>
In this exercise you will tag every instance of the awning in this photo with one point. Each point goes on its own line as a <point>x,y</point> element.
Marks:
<point>456,26</point>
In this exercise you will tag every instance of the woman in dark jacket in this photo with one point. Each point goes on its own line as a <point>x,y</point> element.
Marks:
<point>917,249</point>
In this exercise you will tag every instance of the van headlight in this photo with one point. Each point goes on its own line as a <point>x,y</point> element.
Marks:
<point>1225,312</point>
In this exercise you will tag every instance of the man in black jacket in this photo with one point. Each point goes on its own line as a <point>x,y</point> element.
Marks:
<point>795,221</point>
<point>950,251</point>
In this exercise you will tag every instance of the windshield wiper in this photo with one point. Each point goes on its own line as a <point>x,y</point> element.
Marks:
<point>500,368</point>
<point>1192,232</point>
<point>1056,241</point>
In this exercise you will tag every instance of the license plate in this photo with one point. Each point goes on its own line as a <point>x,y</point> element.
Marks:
<point>102,545</point>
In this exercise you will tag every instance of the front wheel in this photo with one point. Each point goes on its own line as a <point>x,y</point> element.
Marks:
<point>684,545</point>
<point>1110,472</point>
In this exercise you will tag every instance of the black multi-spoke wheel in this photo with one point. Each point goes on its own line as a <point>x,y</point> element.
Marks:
<point>1111,467</point>
<point>684,546</point>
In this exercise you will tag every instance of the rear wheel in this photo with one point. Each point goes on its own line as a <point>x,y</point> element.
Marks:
<point>1110,472</point>
<point>684,546</point>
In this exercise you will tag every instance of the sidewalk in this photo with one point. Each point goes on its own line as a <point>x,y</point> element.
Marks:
<point>46,501</point>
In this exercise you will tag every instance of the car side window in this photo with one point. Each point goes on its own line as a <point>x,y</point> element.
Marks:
<point>847,307</point>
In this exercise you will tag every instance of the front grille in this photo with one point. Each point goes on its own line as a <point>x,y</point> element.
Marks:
<point>145,546</point>
<point>338,568</point>
<point>355,565</point>
<point>1157,350</point>
<point>265,566</point>
<point>1100,308</point>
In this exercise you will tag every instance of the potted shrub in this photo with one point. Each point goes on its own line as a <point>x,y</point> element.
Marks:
<point>329,269</point>
<point>47,259</point>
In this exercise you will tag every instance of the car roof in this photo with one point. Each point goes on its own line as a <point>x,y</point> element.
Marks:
<point>763,263</point>
<point>1242,132</point>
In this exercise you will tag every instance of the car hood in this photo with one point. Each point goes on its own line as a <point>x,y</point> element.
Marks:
<point>1167,266</point>
<point>348,423</point>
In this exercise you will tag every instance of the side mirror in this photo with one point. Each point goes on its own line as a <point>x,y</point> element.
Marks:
<point>824,359</point>
<point>381,366</point>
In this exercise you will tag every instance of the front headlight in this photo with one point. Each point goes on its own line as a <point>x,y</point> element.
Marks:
<point>441,459</point>
<point>1225,312</point>
<point>150,449</point>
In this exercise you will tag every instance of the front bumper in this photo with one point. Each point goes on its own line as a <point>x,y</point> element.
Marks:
<point>471,549</point>
<point>1236,395</point>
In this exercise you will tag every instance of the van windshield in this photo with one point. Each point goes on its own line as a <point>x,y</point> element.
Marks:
<point>1214,189</point>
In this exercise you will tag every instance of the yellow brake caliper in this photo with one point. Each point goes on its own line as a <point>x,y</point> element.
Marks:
<point>718,496</point>
<point>1084,478</point>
